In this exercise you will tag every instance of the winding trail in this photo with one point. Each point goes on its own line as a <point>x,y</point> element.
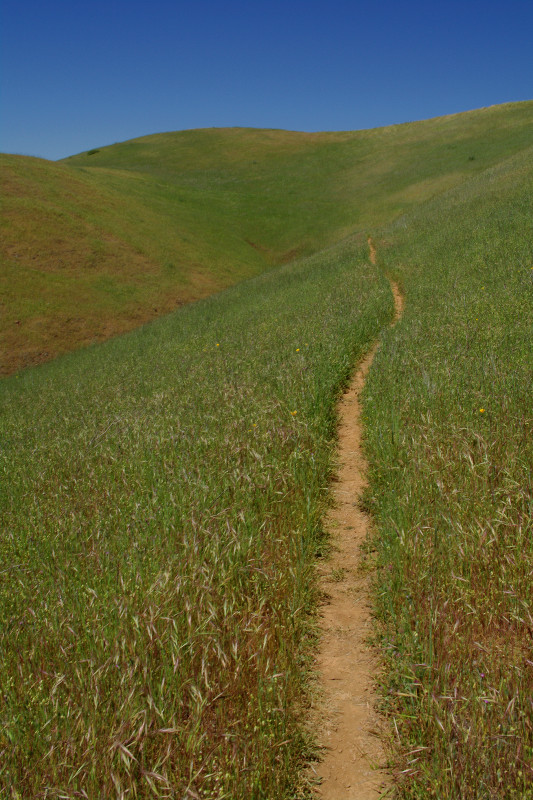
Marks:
<point>348,724</point>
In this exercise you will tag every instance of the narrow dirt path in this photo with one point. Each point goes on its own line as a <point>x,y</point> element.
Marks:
<point>348,723</point>
<point>372,250</point>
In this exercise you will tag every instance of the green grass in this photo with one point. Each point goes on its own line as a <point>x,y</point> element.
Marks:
<point>162,493</point>
<point>161,503</point>
<point>449,431</point>
<point>135,229</point>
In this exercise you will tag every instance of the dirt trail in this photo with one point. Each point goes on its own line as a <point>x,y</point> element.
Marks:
<point>373,252</point>
<point>348,724</point>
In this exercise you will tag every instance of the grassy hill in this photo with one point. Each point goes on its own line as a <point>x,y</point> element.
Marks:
<point>449,419</point>
<point>162,493</point>
<point>162,496</point>
<point>103,241</point>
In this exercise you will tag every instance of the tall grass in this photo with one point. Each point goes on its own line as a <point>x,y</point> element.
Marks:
<point>161,505</point>
<point>449,432</point>
<point>161,495</point>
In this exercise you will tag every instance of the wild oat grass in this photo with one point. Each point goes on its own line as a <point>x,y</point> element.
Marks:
<point>161,494</point>
<point>449,421</point>
<point>161,506</point>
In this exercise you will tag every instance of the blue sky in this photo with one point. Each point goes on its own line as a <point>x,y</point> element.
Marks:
<point>81,75</point>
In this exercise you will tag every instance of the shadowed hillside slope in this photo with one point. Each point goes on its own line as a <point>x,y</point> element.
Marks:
<point>107,239</point>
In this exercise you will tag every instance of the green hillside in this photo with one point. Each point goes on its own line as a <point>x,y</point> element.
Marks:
<point>162,494</point>
<point>449,420</point>
<point>106,240</point>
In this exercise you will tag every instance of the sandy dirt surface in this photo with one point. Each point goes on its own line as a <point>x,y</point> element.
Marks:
<point>353,754</point>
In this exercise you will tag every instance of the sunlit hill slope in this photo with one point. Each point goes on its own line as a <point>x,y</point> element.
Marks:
<point>108,239</point>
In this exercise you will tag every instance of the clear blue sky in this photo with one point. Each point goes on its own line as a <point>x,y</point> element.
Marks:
<point>81,75</point>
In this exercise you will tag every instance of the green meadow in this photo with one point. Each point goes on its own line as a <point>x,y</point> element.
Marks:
<point>163,514</point>
<point>109,239</point>
<point>163,491</point>
<point>449,420</point>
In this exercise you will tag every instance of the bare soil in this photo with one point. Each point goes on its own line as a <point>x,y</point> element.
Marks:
<point>353,761</point>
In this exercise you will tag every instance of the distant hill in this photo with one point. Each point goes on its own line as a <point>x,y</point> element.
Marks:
<point>105,240</point>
